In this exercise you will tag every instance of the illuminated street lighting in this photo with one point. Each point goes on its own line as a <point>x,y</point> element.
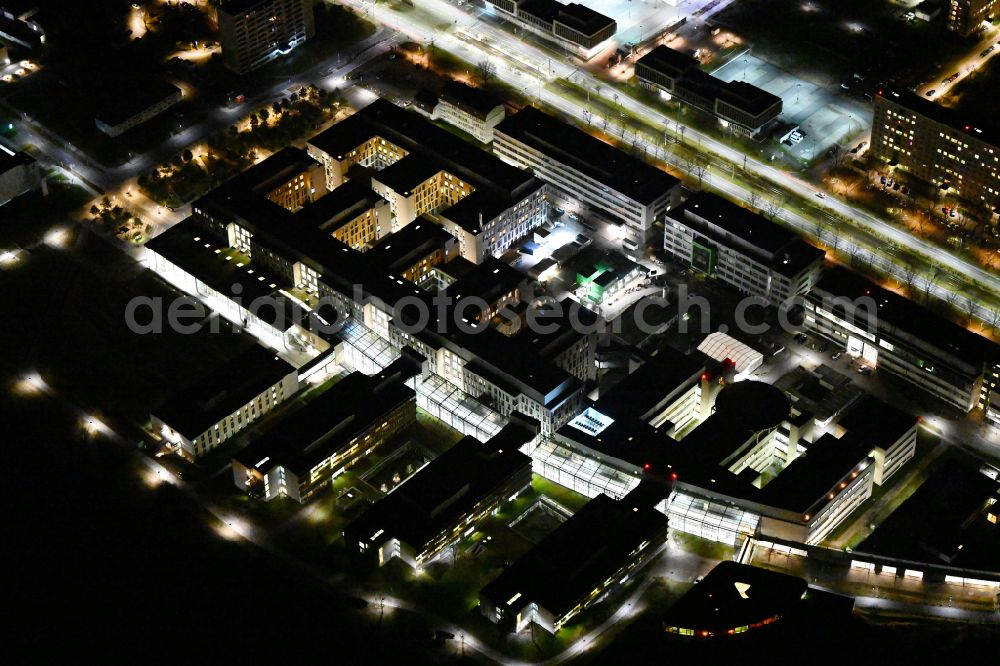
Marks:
<point>58,238</point>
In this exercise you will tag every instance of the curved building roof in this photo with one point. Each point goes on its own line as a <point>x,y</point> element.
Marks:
<point>720,347</point>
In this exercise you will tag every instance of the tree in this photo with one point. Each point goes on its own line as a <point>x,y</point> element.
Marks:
<point>971,307</point>
<point>698,167</point>
<point>264,115</point>
<point>276,107</point>
<point>909,275</point>
<point>929,284</point>
<point>772,208</point>
<point>853,251</point>
<point>94,210</point>
<point>487,71</point>
<point>187,156</point>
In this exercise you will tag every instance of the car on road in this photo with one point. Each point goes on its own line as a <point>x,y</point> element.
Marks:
<point>837,355</point>
<point>930,93</point>
<point>821,195</point>
<point>801,338</point>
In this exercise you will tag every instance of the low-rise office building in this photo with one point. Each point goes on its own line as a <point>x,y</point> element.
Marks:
<point>745,108</point>
<point>309,447</point>
<point>225,402</point>
<point>952,519</point>
<point>136,101</point>
<point>573,25</point>
<point>896,335</point>
<point>599,548</point>
<point>21,29</point>
<point>734,598</point>
<point>937,145</point>
<point>19,173</point>
<point>584,168</point>
<point>444,501</point>
<point>423,169</point>
<point>472,110</point>
<point>603,276</point>
<point>756,256</point>
<point>252,33</point>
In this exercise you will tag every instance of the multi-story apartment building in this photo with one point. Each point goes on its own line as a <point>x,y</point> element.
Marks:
<point>937,145</point>
<point>966,17</point>
<point>582,167</point>
<point>445,501</point>
<point>574,25</point>
<point>472,110</point>
<point>745,108</point>
<point>756,256</point>
<point>896,335</point>
<point>423,169</point>
<point>225,402</point>
<point>255,32</point>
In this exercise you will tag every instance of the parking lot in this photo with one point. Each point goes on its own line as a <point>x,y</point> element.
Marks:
<point>826,117</point>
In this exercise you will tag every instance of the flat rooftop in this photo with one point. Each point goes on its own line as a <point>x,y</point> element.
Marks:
<point>653,383</point>
<point>960,121</point>
<point>471,100</point>
<point>339,205</point>
<point>733,596</point>
<point>588,155</point>
<point>667,61</point>
<point>878,421</point>
<point>489,280</point>
<point>401,249</point>
<point>315,431</point>
<point>416,134</point>
<point>577,557</point>
<point>451,485</point>
<point>189,247</point>
<point>129,96</point>
<point>909,317</point>
<point>583,19</point>
<point>807,479</point>
<point>824,392</point>
<point>718,219</point>
<point>222,391</point>
<point>563,327</point>
<point>944,518</point>
<point>10,159</point>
